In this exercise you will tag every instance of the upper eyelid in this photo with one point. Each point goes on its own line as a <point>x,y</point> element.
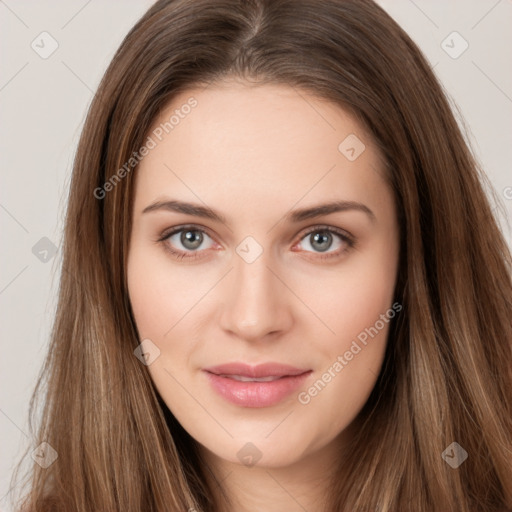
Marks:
<point>177,229</point>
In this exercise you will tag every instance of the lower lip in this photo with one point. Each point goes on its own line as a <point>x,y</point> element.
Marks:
<point>256,394</point>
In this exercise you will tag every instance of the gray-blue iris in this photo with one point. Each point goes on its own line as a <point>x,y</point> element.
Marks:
<point>321,237</point>
<point>194,238</point>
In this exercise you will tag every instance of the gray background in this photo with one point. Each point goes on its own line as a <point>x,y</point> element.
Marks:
<point>43,102</point>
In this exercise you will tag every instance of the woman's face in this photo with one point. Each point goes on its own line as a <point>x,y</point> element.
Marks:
<point>264,311</point>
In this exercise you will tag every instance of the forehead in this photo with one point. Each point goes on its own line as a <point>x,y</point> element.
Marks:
<point>242,144</point>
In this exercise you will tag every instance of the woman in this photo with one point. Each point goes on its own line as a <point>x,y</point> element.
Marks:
<point>211,351</point>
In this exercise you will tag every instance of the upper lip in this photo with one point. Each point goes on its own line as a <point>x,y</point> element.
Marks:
<point>257,371</point>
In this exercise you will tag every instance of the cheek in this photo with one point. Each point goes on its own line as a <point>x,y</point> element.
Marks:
<point>357,304</point>
<point>160,296</point>
<point>352,299</point>
<point>356,353</point>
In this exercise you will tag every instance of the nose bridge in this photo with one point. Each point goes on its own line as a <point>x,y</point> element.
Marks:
<point>257,304</point>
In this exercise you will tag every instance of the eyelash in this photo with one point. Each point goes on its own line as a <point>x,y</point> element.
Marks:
<point>348,239</point>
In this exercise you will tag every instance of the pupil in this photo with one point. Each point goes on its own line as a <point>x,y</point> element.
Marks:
<point>321,238</point>
<point>191,239</point>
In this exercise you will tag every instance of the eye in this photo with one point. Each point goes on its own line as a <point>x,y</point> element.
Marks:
<point>188,240</point>
<point>320,239</point>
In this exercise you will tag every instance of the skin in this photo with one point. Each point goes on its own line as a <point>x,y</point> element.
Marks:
<point>253,153</point>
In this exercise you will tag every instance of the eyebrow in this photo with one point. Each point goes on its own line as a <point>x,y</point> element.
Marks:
<point>294,216</point>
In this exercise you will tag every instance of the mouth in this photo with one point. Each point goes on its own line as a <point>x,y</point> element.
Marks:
<point>263,385</point>
<point>265,370</point>
<point>243,378</point>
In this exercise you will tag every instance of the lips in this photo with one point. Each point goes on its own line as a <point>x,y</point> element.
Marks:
<point>262,385</point>
<point>256,372</point>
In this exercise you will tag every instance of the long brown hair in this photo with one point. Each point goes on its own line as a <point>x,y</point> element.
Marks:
<point>447,372</point>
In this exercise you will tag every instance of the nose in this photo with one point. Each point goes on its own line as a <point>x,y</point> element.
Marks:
<point>257,303</point>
